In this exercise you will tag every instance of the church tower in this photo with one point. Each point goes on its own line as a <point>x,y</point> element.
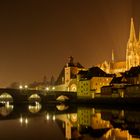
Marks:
<point>138,46</point>
<point>132,51</point>
<point>112,56</point>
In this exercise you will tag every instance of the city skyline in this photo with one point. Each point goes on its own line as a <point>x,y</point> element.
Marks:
<point>37,37</point>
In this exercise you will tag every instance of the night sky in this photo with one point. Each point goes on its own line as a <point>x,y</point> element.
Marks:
<point>36,36</point>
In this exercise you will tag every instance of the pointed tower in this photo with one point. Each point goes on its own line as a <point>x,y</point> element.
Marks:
<point>132,36</point>
<point>132,51</point>
<point>138,46</point>
<point>139,38</point>
<point>112,56</point>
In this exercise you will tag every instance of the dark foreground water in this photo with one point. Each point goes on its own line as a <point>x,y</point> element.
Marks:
<point>60,122</point>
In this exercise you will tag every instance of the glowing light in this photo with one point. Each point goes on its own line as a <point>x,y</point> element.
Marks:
<point>74,117</point>
<point>47,88</point>
<point>54,118</point>
<point>47,117</point>
<point>26,121</point>
<point>68,115</point>
<point>20,87</point>
<point>26,86</point>
<point>7,105</point>
<point>21,120</point>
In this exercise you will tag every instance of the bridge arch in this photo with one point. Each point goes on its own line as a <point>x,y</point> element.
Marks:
<point>34,98</point>
<point>6,97</point>
<point>73,85</point>
<point>62,98</point>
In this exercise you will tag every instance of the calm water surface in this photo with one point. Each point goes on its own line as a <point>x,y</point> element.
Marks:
<point>51,122</point>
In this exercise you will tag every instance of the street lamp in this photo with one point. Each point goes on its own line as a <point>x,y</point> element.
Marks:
<point>20,87</point>
<point>26,86</point>
<point>53,88</point>
<point>47,88</point>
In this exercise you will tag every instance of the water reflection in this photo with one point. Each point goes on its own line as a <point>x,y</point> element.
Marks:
<point>80,123</point>
<point>35,108</point>
<point>98,123</point>
<point>6,109</point>
<point>50,117</point>
<point>23,120</point>
<point>117,134</point>
<point>47,116</point>
<point>62,107</point>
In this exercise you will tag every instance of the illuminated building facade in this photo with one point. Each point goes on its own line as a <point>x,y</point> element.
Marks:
<point>83,89</point>
<point>67,79</point>
<point>96,78</point>
<point>132,55</point>
<point>74,77</point>
<point>133,49</point>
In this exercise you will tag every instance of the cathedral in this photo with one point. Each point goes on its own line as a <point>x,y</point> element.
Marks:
<point>132,55</point>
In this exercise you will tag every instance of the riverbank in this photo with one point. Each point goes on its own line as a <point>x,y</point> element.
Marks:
<point>111,102</point>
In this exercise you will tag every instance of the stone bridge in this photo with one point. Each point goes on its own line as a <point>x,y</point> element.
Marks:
<point>18,96</point>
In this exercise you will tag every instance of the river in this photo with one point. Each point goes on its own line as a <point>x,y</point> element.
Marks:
<point>61,122</point>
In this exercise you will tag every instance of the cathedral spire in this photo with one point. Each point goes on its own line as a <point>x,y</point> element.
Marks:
<point>112,56</point>
<point>132,36</point>
<point>139,35</point>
